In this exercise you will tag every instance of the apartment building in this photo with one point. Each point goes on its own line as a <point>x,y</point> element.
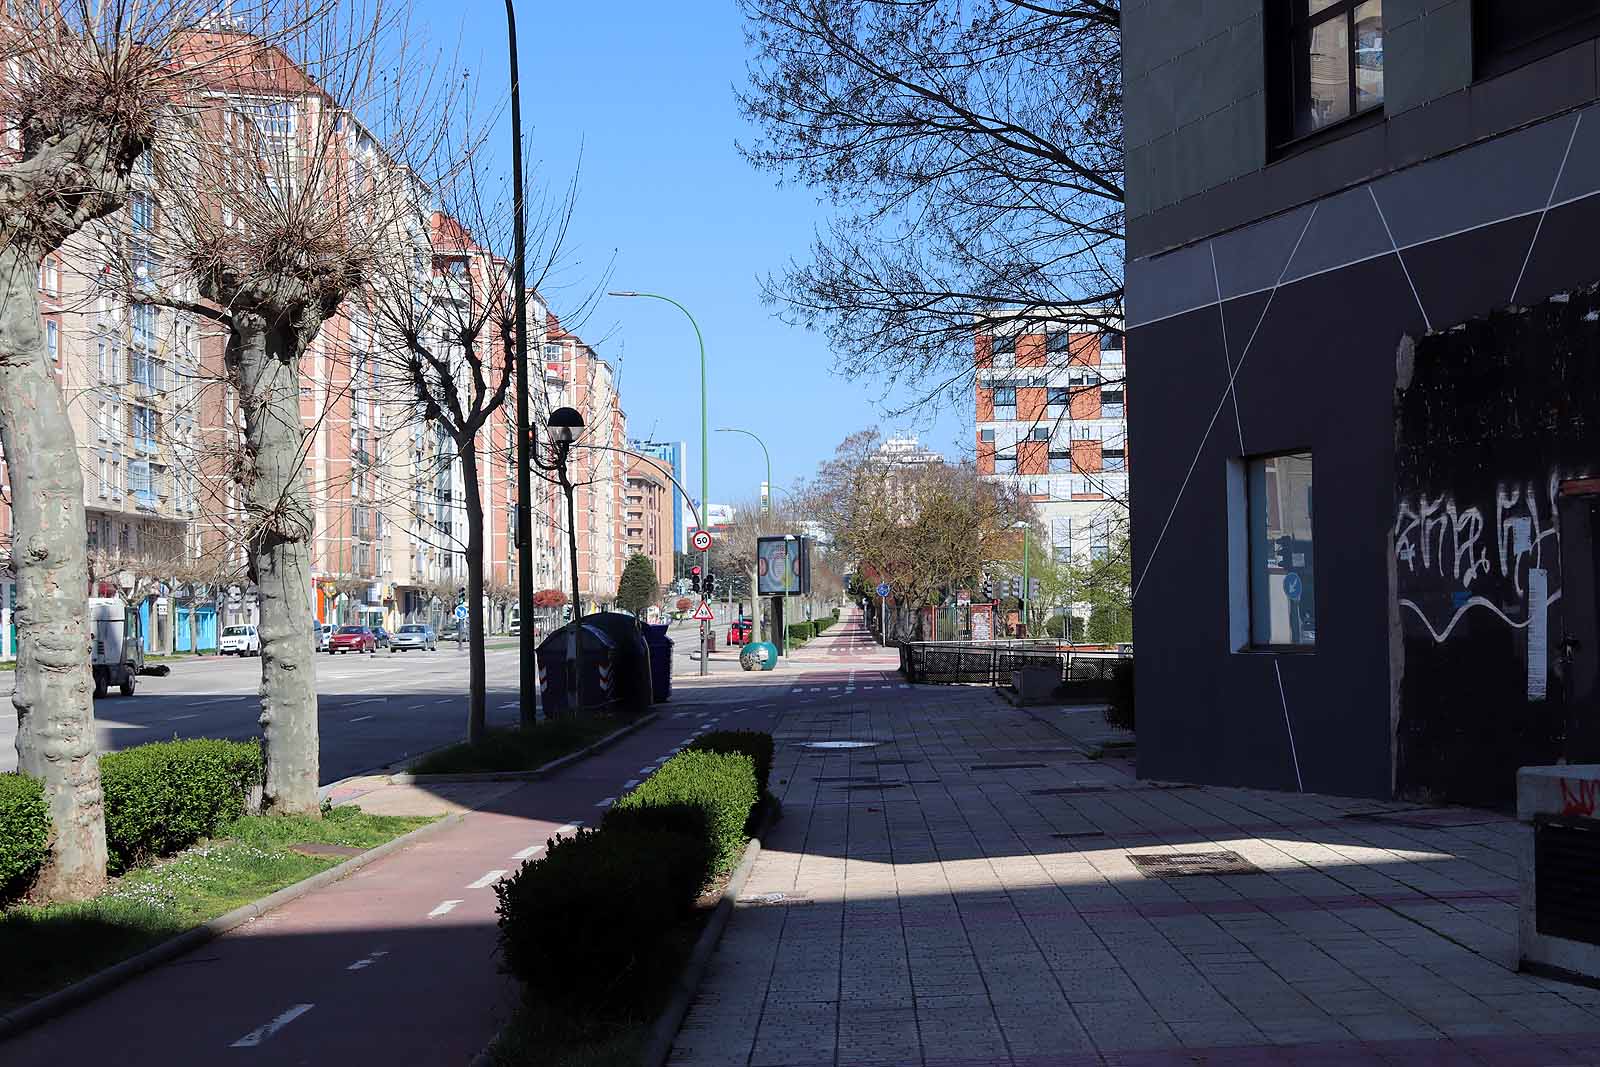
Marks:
<point>648,516</point>
<point>672,454</point>
<point>1051,414</point>
<point>577,377</point>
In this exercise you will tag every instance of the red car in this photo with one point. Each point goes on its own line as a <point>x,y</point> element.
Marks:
<point>739,632</point>
<point>353,639</point>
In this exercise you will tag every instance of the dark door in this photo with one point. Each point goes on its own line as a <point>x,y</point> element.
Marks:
<point>1575,650</point>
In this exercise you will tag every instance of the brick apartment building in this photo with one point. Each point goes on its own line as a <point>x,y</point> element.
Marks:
<point>649,516</point>
<point>1051,414</point>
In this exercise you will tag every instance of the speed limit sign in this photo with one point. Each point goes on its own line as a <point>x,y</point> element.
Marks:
<point>701,541</point>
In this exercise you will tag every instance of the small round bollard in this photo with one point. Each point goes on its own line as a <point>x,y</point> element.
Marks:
<point>760,655</point>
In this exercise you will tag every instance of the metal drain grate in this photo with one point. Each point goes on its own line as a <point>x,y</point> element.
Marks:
<point>1189,864</point>
<point>1006,766</point>
<point>1070,790</point>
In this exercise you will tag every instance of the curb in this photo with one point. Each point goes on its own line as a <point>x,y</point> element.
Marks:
<point>542,771</point>
<point>665,1030</point>
<point>52,1004</point>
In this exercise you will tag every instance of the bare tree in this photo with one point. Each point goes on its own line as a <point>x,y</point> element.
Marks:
<point>446,323</point>
<point>84,88</point>
<point>976,151</point>
<point>279,192</point>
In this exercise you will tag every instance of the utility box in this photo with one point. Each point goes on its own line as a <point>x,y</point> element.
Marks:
<point>1559,932</point>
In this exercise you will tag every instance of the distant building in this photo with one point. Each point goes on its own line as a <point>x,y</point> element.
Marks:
<point>647,516</point>
<point>671,453</point>
<point>720,515</point>
<point>908,451</point>
<point>1052,422</point>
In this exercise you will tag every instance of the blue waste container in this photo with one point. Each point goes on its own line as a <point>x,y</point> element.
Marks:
<point>599,671</point>
<point>660,645</point>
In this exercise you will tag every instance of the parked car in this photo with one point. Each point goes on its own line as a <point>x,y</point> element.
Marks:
<point>381,635</point>
<point>353,639</point>
<point>240,641</point>
<point>413,635</point>
<point>739,632</point>
<point>321,633</point>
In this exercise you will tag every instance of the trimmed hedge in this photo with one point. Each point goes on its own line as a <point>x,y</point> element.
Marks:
<point>753,743</point>
<point>709,794</point>
<point>799,633</point>
<point>162,797</point>
<point>24,829</point>
<point>578,922</point>
<point>825,622</point>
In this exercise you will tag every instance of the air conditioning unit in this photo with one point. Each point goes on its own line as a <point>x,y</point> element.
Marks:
<point>1559,931</point>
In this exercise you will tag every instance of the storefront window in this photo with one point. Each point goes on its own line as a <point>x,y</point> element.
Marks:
<point>1282,578</point>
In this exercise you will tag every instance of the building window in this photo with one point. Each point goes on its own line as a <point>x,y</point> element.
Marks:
<point>144,325</point>
<point>52,340</point>
<point>1510,33</point>
<point>1282,578</point>
<point>1005,396</point>
<point>1003,345</point>
<point>1111,459</point>
<point>105,481</point>
<point>1058,341</point>
<point>1040,433</point>
<point>1060,462</point>
<point>1110,342</point>
<point>144,429</point>
<point>986,435</point>
<point>1058,396</point>
<point>1005,464</point>
<point>1327,64</point>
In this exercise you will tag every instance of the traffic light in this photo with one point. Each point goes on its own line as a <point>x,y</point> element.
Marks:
<point>1033,589</point>
<point>988,591</point>
<point>694,582</point>
<point>711,585</point>
<point>1016,588</point>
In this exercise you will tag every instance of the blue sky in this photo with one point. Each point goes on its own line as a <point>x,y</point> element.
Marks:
<point>645,91</point>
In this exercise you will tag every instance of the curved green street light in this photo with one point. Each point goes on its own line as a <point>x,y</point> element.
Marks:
<point>766,506</point>
<point>705,461</point>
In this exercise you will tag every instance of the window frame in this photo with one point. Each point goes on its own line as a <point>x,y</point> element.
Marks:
<point>1283,29</point>
<point>1247,464</point>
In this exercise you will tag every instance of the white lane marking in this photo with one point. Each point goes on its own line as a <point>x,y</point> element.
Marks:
<point>367,961</point>
<point>262,1033</point>
<point>630,783</point>
<point>215,700</point>
<point>833,689</point>
<point>568,828</point>
<point>177,718</point>
<point>792,691</point>
<point>446,700</point>
<point>607,802</point>
<point>648,770</point>
<point>816,690</point>
<point>902,686</point>
<point>487,880</point>
<point>443,909</point>
<point>764,707</point>
<point>528,853</point>
<point>687,740</point>
<point>363,718</point>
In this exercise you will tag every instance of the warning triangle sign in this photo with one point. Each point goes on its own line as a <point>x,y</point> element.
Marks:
<point>703,612</point>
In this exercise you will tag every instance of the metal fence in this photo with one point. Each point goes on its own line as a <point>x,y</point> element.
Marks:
<point>1086,674</point>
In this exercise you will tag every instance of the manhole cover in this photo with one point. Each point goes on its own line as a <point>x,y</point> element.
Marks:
<point>840,744</point>
<point>1189,864</point>
<point>1005,766</point>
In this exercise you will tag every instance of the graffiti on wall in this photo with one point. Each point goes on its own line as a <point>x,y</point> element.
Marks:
<point>1493,556</point>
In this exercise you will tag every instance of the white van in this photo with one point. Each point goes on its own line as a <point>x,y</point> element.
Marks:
<point>240,641</point>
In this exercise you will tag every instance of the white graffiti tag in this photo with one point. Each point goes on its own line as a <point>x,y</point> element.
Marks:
<point>1438,538</point>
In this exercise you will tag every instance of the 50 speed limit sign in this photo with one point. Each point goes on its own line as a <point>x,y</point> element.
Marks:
<point>701,541</point>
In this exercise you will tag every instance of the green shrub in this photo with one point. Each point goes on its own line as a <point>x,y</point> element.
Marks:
<point>1120,711</point>
<point>576,923</point>
<point>823,623</point>
<point>24,829</point>
<point>799,633</point>
<point>752,743</point>
<point>162,797</point>
<point>710,793</point>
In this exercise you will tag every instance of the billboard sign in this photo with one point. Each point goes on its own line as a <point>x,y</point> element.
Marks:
<point>783,566</point>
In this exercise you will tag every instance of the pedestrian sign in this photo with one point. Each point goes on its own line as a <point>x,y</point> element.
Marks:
<point>883,588</point>
<point>1291,585</point>
<point>461,611</point>
<point>703,612</point>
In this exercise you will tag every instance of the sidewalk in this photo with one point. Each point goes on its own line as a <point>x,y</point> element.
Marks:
<point>968,891</point>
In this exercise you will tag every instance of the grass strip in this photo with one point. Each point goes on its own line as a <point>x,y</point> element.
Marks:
<point>518,749</point>
<point>248,859</point>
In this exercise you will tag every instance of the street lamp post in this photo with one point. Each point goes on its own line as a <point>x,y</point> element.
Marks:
<point>527,696</point>
<point>705,460</point>
<point>565,425</point>
<point>766,509</point>
<point>1023,526</point>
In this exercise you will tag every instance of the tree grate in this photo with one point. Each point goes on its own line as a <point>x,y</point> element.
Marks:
<point>1192,864</point>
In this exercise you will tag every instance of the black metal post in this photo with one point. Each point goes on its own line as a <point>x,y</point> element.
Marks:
<point>528,691</point>
<point>576,702</point>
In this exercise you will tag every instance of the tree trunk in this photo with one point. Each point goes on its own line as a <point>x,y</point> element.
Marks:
<point>55,709</point>
<point>477,686</point>
<point>266,367</point>
<point>194,622</point>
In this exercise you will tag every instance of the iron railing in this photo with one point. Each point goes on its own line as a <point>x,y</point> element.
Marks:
<point>992,663</point>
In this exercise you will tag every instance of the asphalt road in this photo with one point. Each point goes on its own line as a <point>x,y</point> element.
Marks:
<point>375,710</point>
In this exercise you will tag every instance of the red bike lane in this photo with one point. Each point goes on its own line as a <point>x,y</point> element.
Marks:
<point>397,962</point>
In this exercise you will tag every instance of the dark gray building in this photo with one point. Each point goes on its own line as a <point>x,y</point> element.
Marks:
<point>1363,245</point>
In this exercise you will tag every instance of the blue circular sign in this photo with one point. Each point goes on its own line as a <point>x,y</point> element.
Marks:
<point>883,588</point>
<point>461,611</point>
<point>1291,585</point>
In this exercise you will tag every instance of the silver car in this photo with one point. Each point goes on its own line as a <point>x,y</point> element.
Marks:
<point>413,635</point>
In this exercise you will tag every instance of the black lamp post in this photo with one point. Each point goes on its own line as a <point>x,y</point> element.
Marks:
<point>565,426</point>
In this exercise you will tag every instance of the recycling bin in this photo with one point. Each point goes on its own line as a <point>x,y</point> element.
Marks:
<point>660,645</point>
<point>555,671</point>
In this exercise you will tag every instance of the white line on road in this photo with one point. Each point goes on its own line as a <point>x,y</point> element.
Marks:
<point>214,700</point>
<point>446,700</point>
<point>177,718</point>
<point>569,827</point>
<point>262,1033</point>
<point>630,783</point>
<point>528,853</point>
<point>487,880</point>
<point>368,700</point>
<point>367,961</point>
<point>443,909</point>
<point>607,802</point>
<point>648,770</point>
<point>363,718</point>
